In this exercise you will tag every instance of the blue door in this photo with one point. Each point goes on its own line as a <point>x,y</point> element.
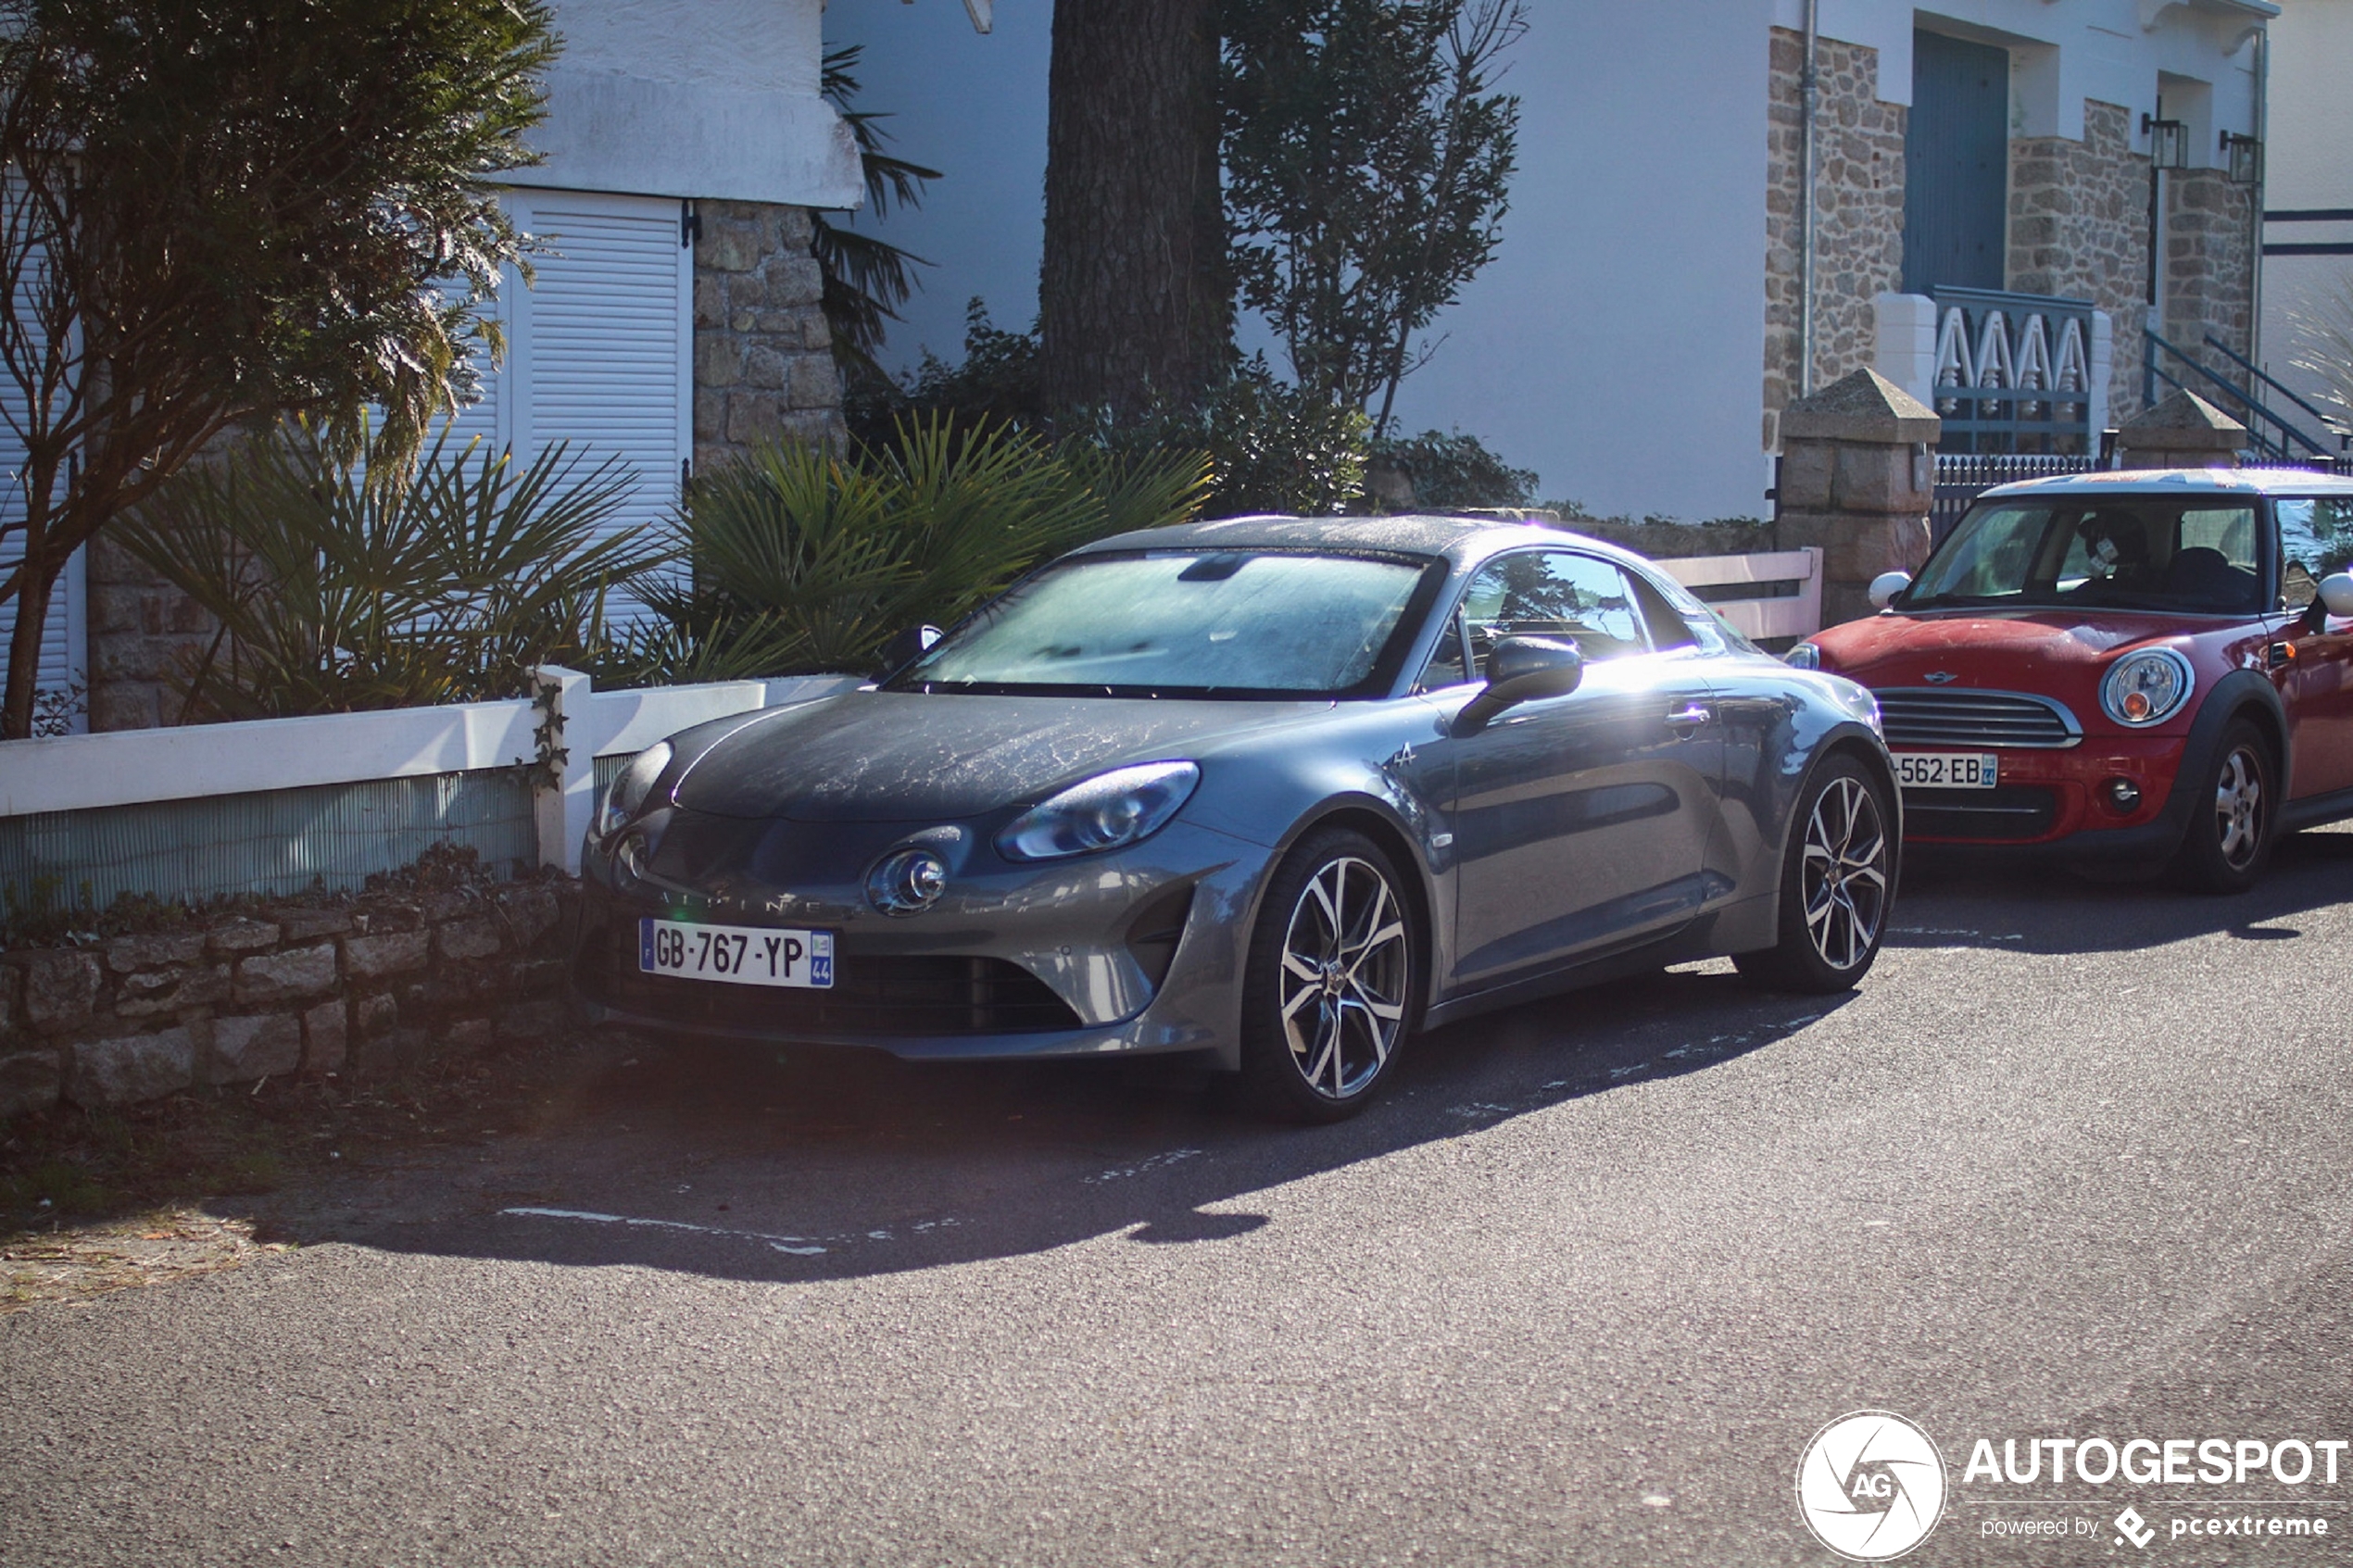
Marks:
<point>1956,164</point>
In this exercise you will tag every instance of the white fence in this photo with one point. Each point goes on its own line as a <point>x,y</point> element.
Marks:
<point>1785,590</point>
<point>144,766</point>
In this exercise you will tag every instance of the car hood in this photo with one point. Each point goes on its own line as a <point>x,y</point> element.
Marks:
<point>1975,646</point>
<point>896,757</point>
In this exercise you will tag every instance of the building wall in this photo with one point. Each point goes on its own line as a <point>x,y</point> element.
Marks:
<point>2209,264</point>
<point>1858,209</point>
<point>2309,159</point>
<point>763,360</point>
<point>694,98</point>
<point>2079,228</point>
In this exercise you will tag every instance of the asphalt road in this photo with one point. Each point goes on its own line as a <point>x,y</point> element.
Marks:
<point>2073,1162</point>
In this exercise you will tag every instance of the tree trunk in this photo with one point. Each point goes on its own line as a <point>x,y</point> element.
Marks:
<point>1134,302</point>
<point>24,645</point>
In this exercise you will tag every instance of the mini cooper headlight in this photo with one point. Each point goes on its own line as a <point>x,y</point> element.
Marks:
<point>1108,811</point>
<point>2147,687</point>
<point>1805,655</point>
<point>628,793</point>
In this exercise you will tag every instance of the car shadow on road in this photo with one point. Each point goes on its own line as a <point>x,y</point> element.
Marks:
<point>807,1165</point>
<point>1949,901</point>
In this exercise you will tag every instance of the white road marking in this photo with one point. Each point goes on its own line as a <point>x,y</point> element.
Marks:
<point>1155,1162</point>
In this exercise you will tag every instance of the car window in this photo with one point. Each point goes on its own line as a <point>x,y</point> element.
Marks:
<point>1207,623</point>
<point>1668,629</point>
<point>1445,667</point>
<point>2315,532</point>
<point>2141,552</point>
<point>1554,594</point>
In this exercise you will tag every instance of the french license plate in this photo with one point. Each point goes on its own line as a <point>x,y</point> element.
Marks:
<point>738,955</point>
<point>1945,769</point>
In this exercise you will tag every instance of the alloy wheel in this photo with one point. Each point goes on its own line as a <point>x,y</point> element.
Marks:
<point>1346,967</point>
<point>1845,874</point>
<point>2238,807</point>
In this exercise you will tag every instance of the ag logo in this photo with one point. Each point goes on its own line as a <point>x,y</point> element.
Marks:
<point>1871,1485</point>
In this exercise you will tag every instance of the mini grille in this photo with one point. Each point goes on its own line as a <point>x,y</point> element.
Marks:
<point>1916,717</point>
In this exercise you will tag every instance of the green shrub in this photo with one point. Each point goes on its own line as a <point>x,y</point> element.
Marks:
<point>1272,447</point>
<point>333,594</point>
<point>805,560</point>
<point>1455,473</point>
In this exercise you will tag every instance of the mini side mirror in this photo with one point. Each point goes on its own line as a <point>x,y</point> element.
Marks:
<point>2337,592</point>
<point>1521,670</point>
<point>1886,585</point>
<point>904,650</point>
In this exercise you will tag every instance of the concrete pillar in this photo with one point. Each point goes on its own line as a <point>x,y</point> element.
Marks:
<point>1855,477</point>
<point>2181,432</point>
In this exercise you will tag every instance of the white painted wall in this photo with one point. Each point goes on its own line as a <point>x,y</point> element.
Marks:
<point>2308,162</point>
<point>702,98</point>
<point>1615,344</point>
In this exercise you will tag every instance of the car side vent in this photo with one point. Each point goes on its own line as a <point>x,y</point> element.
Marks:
<point>1154,932</point>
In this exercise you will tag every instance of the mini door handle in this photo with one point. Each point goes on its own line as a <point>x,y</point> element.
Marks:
<point>1690,714</point>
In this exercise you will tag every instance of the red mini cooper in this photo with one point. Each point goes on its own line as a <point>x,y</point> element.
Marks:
<point>2146,668</point>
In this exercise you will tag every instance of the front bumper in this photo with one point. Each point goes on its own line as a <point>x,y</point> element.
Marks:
<point>1055,959</point>
<point>2058,800</point>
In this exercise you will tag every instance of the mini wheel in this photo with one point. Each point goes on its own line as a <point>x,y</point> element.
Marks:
<point>2231,816</point>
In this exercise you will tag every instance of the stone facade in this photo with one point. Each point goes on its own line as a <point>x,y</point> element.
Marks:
<point>2209,258</point>
<point>2079,228</point>
<point>1858,209</point>
<point>351,985</point>
<point>143,634</point>
<point>763,357</point>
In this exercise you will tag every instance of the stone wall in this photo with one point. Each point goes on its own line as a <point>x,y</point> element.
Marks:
<point>332,987</point>
<point>2209,254</point>
<point>763,357</point>
<point>1858,209</point>
<point>143,633</point>
<point>2079,228</point>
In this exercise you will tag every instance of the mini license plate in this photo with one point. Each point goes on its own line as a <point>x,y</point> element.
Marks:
<point>1945,769</point>
<point>738,955</point>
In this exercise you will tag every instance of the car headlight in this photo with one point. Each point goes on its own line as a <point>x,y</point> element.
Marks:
<point>628,793</point>
<point>2147,687</point>
<point>1108,811</point>
<point>1805,655</point>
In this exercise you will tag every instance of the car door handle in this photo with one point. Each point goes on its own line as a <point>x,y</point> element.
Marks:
<point>1690,716</point>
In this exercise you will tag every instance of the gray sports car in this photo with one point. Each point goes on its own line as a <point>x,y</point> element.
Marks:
<point>1275,791</point>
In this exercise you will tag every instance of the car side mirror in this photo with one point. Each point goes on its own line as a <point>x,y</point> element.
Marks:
<point>904,650</point>
<point>1521,670</point>
<point>2337,592</point>
<point>1886,585</point>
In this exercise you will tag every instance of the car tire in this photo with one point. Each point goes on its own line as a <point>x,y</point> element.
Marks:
<point>1334,983</point>
<point>1838,883</point>
<point>2233,815</point>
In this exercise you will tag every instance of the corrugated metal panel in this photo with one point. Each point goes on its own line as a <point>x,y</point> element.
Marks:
<point>273,843</point>
<point>1956,165</point>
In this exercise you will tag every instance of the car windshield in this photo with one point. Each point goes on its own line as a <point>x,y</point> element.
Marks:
<point>2192,554</point>
<point>1259,623</point>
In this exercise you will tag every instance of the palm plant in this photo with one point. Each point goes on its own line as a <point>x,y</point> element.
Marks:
<point>341,586</point>
<point>866,279</point>
<point>806,561</point>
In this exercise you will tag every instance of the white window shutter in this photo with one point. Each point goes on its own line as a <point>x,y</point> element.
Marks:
<point>600,348</point>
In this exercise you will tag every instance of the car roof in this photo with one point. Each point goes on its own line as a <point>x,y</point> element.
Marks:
<point>2175,482</point>
<point>1461,540</point>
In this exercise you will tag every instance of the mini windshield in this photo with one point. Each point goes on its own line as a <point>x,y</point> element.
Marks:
<point>1258,623</point>
<point>2193,554</point>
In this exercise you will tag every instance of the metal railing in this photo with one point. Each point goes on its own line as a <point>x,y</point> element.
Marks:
<point>1961,477</point>
<point>2014,372</point>
<point>2273,437</point>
